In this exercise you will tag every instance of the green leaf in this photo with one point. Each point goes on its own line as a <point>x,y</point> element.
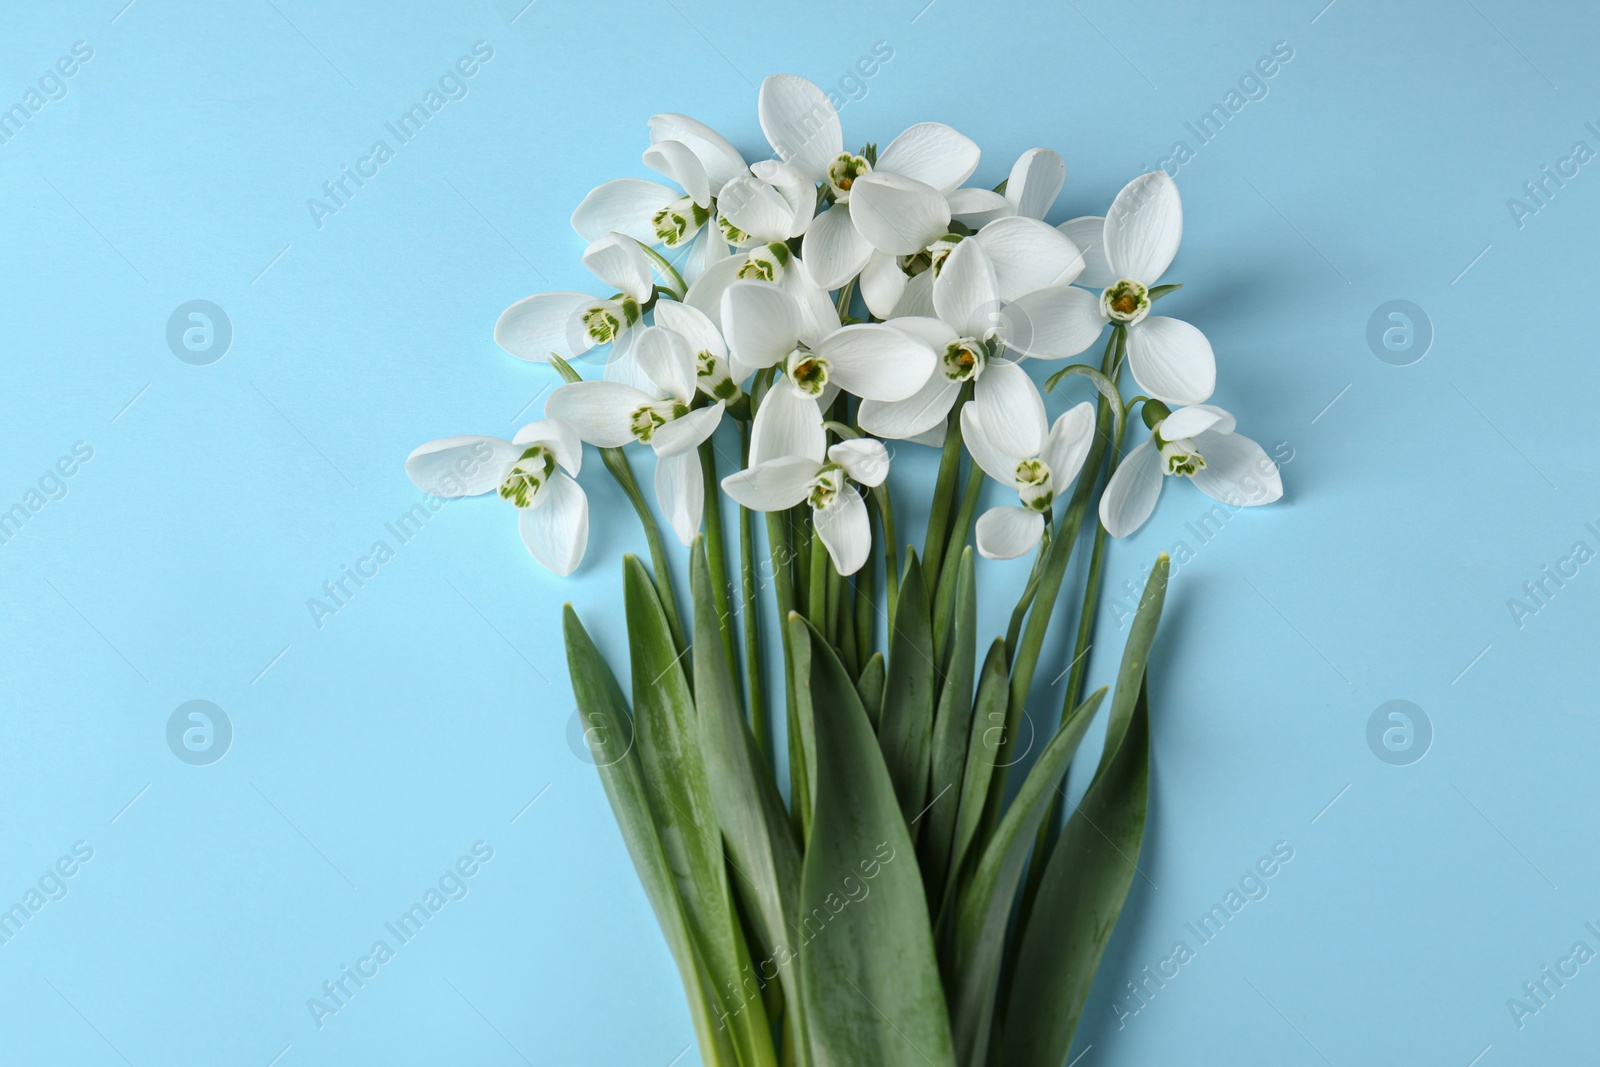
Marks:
<point>1091,868</point>
<point>867,967</point>
<point>986,903</point>
<point>760,838</point>
<point>952,731</point>
<point>675,772</point>
<point>905,731</point>
<point>870,686</point>
<point>610,733</point>
<point>988,725</point>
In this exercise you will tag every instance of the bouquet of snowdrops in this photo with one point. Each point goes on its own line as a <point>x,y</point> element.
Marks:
<point>898,897</point>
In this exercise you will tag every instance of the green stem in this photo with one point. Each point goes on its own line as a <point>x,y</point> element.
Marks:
<point>783,584</point>
<point>864,593</point>
<point>716,550</point>
<point>945,591</point>
<point>1029,591</point>
<point>616,462</point>
<point>756,696</point>
<point>944,488</point>
<point>891,551</point>
<point>668,271</point>
<point>817,595</point>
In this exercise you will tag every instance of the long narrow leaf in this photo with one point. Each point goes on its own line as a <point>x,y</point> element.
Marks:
<point>870,980</point>
<point>905,730</point>
<point>952,731</point>
<point>986,903</point>
<point>1087,878</point>
<point>988,724</point>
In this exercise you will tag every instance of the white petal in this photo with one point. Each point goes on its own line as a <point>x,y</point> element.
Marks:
<point>709,249</point>
<point>866,461</point>
<point>1035,182</point>
<point>933,438</point>
<point>787,425</point>
<point>1131,494</point>
<point>935,333</point>
<point>666,357</point>
<point>995,463</point>
<point>773,485</point>
<point>933,154</point>
<point>465,465</point>
<point>720,159</point>
<point>818,316</point>
<point>620,262</point>
<point>918,297</point>
<point>559,437</point>
<point>600,411</point>
<point>833,248</point>
<point>882,283</point>
<point>701,333</point>
<point>1006,533</point>
<point>537,326</point>
<point>705,293</point>
<point>876,362</point>
<point>756,208</point>
<point>1195,419</point>
<point>681,492</point>
<point>761,322</point>
<point>1171,360</point>
<point>556,529</point>
<point>1011,410</point>
<point>1238,471</point>
<point>798,191</point>
<point>1068,444</point>
<point>924,410</point>
<point>978,207</point>
<point>1029,255</point>
<point>1052,323</point>
<point>1143,228</point>
<point>623,206</point>
<point>1089,234</point>
<point>966,293</point>
<point>623,366</point>
<point>845,531</point>
<point>678,162</point>
<point>898,215</point>
<point>686,432</point>
<point>800,123</point>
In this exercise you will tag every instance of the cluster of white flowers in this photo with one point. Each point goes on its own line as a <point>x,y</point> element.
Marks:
<point>960,286</point>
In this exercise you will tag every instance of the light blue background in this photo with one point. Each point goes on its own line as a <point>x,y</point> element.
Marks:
<point>372,752</point>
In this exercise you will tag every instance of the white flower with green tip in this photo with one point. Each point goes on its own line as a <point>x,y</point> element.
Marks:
<point>981,315</point>
<point>570,324</point>
<point>767,327</point>
<point>838,513</point>
<point>657,410</point>
<point>1021,453</point>
<point>1196,442</point>
<point>534,472</point>
<point>1125,255</point>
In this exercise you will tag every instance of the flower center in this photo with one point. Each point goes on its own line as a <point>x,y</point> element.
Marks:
<point>1126,302</point>
<point>843,172</point>
<point>712,376</point>
<point>605,321</point>
<point>646,419</point>
<point>1034,484</point>
<point>528,476</point>
<point>767,263</point>
<point>964,359</point>
<point>734,235</point>
<point>826,487</point>
<point>679,221</point>
<point>1179,457</point>
<point>808,371</point>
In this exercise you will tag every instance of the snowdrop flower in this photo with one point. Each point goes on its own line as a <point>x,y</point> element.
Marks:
<point>895,206</point>
<point>1196,442</point>
<point>1038,465</point>
<point>975,325</point>
<point>1126,254</point>
<point>837,510</point>
<point>766,327</point>
<point>569,324</point>
<point>534,471</point>
<point>659,412</point>
<point>713,366</point>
